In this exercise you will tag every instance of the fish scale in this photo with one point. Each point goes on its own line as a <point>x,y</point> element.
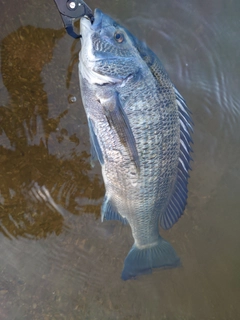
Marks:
<point>140,133</point>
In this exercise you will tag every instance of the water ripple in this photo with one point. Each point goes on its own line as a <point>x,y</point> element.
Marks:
<point>82,244</point>
<point>200,57</point>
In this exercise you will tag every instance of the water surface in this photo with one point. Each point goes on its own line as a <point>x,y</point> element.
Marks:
<point>58,261</point>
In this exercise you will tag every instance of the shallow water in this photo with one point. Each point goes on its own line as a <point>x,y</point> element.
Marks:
<point>58,261</point>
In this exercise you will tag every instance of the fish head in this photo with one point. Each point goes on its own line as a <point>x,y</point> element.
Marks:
<point>109,53</point>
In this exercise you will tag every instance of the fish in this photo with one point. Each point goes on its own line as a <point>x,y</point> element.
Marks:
<point>140,132</point>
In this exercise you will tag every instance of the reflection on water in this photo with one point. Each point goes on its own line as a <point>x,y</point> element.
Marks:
<point>58,261</point>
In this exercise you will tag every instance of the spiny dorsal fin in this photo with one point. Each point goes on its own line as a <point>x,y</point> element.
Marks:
<point>178,199</point>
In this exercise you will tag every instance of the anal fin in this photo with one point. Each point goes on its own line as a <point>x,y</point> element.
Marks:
<point>109,211</point>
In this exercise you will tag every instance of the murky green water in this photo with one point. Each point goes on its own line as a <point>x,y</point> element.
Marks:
<point>57,260</point>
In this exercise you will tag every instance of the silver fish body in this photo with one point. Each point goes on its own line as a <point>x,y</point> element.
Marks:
<point>140,133</point>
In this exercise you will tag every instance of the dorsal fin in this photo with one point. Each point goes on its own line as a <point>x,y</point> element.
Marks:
<point>178,199</point>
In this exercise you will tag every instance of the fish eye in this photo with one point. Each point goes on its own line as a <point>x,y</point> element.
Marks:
<point>119,36</point>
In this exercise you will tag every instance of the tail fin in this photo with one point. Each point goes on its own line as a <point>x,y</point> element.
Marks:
<point>142,261</point>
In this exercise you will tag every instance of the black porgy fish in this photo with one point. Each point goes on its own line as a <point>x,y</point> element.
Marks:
<point>140,132</point>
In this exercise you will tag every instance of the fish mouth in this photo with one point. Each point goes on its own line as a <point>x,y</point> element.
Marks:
<point>85,25</point>
<point>97,22</point>
<point>90,25</point>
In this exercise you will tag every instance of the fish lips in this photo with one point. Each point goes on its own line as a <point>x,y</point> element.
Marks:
<point>99,21</point>
<point>90,58</point>
<point>88,26</point>
<point>98,18</point>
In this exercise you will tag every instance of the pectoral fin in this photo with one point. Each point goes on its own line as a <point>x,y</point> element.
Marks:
<point>118,120</point>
